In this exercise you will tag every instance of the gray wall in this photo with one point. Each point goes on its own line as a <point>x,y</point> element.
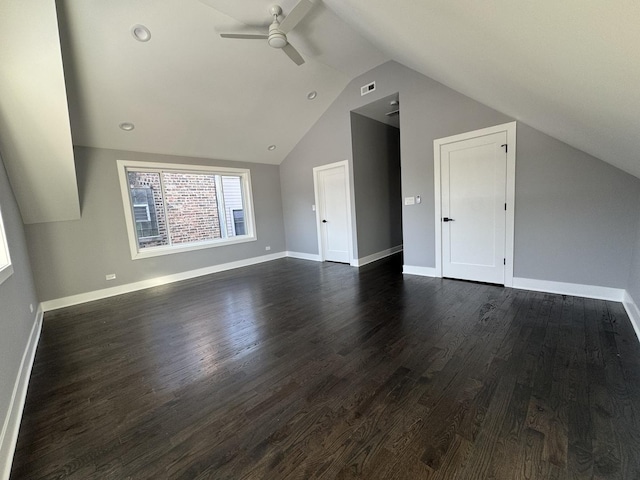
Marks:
<point>16,293</point>
<point>633,286</point>
<point>429,110</point>
<point>572,210</point>
<point>73,257</point>
<point>377,185</point>
<point>576,216</point>
<point>328,141</point>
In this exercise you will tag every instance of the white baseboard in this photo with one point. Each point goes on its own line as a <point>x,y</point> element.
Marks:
<point>374,257</point>
<point>633,311</point>
<point>305,256</point>
<point>154,282</point>
<point>11,425</point>
<point>422,271</point>
<point>574,289</point>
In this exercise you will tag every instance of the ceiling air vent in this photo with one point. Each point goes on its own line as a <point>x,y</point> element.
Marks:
<point>367,88</point>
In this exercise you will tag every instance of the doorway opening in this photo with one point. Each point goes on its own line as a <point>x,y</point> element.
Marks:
<point>377,184</point>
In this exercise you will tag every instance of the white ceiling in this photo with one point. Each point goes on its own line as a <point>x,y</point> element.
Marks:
<point>190,92</point>
<point>570,69</point>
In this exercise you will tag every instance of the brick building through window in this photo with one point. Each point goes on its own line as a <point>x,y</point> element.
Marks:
<point>173,208</point>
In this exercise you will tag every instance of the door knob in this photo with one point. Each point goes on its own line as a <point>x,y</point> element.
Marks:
<point>324,221</point>
<point>447,219</point>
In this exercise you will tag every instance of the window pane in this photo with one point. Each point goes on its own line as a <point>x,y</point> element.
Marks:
<point>234,209</point>
<point>238,222</point>
<point>148,209</point>
<point>184,207</point>
<point>192,207</point>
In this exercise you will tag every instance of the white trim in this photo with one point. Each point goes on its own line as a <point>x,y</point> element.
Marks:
<point>189,247</point>
<point>345,164</point>
<point>574,289</point>
<point>305,256</point>
<point>422,271</point>
<point>154,282</point>
<point>6,269</point>
<point>374,257</point>
<point>247,197</point>
<point>633,311</point>
<point>510,129</point>
<point>5,273</point>
<point>11,425</point>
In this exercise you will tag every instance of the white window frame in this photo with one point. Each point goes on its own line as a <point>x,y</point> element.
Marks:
<point>6,267</point>
<point>138,253</point>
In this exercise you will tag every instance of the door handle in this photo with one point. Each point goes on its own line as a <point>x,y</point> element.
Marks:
<point>447,219</point>
<point>324,221</point>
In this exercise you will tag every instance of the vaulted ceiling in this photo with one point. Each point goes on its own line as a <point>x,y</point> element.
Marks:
<point>570,69</point>
<point>190,92</point>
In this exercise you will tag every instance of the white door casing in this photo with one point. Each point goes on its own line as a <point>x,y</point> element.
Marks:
<point>333,211</point>
<point>474,175</point>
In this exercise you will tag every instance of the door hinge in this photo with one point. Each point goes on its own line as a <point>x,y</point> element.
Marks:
<point>506,147</point>
<point>505,207</point>
<point>504,261</point>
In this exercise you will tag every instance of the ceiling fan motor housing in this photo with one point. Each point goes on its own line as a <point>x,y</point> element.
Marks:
<point>277,39</point>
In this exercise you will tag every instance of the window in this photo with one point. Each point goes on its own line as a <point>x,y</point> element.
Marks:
<point>171,208</point>
<point>141,213</point>
<point>6,269</point>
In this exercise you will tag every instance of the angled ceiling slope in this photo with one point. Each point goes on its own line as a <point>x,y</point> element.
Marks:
<point>35,137</point>
<point>190,92</point>
<point>570,69</point>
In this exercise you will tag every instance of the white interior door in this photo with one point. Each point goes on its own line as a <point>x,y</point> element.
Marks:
<point>333,209</point>
<point>473,187</point>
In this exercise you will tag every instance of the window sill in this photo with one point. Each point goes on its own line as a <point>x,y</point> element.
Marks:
<point>159,251</point>
<point>5,273</point>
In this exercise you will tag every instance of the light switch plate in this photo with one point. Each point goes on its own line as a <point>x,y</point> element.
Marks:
<point>409,200</point>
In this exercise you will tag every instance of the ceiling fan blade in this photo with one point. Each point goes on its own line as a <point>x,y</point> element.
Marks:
<point>246,36</point>
<point>295,15</point>
<point>293,54</point>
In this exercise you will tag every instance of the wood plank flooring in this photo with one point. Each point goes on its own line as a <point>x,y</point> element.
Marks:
<point>299,370</point>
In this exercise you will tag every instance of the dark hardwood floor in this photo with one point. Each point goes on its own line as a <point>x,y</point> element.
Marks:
<point>295,369</point>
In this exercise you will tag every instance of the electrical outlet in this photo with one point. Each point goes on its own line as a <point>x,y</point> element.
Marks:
<point>111,276</point>
<point>267,247</point>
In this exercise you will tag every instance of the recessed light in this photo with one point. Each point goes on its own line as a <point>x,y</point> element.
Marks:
<point>141,33</point>
<point>312,95</point>
<point>271,148</point>
<point>127,127</point>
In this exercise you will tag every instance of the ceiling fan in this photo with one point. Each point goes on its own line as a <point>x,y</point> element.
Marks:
<point>277,36</point>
